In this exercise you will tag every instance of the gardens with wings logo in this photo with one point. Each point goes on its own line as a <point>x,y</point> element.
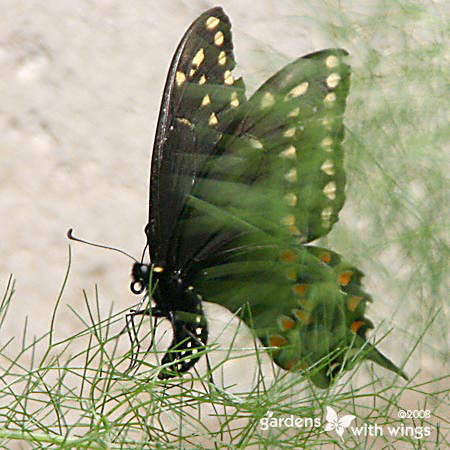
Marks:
<point>338,424</point>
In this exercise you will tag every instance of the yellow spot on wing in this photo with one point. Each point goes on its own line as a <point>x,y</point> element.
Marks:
<point>206,100</point>
<point>213,119</point>
<point>184,121</point>
<point>180,78</point>
<point>326,213</point>
<point>330,190</point>
<point>212,22</point>
<point>289,153</point>
<point>234,100</point>
<point>202,80</point>
<point>294,230</point>
<point>327,122</point>
<point>222,59</point>
<point>218,38</point>
<point>290,132</point>
<point>228,77</point>
<point>298,90</point>
<point>289,220</point>
<point>291,199</point>
<point>328,167</point>
<point>329,99</point>
<point>267,100</point>
<point>333,80</point>
<point>255,143</point>
<point>291,176</point>
<point>199,57</point>
<point>332,61</point>
<point>326,142</point>
<point>294,113</point>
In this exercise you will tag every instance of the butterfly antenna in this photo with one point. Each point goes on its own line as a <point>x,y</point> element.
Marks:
<point>73,238</point>
<point>143,252</point>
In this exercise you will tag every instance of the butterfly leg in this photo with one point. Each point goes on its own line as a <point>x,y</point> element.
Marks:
<point>134,339</point>
<point>130,328</point>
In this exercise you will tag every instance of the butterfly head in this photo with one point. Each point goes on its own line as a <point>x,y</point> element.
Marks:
<point>140,274</point>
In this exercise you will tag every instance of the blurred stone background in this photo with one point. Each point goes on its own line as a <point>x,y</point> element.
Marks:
<point>80,88</point>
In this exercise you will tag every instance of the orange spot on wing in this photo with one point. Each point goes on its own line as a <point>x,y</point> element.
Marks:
<point>356,325</point>
<point>303,316</point>
<point>303,365</point>
<point>288,256</point>
<point>303,302</point>
<point>289,365</point>
<point>277,341</point>
<point>291,274</point>
<point>325,257</point>
<point>344,278</point>
<point>286,323</point>
<point>300,289</point>
<point>294,230</point>
<point>353,302</point>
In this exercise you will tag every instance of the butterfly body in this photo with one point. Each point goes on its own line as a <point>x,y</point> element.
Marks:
<point>179,303</point>
<point>238,189</point>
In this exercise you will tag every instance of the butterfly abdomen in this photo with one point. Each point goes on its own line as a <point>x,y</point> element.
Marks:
<point>183,308</point>
<point>190,335</point>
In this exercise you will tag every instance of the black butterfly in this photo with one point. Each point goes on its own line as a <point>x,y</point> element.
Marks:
<point>237,188</point>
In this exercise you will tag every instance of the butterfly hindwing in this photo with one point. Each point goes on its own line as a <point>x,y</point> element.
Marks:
<point>306,303</point>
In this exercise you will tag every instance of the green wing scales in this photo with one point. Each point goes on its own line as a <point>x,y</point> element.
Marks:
<point>277,179</point>
<point>305,303</point>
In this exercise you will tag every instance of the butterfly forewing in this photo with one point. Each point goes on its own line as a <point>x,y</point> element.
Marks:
<point>200,94</point>
<point>297,116</point>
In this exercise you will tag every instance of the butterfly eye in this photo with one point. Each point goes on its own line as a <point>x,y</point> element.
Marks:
<point>136,287</point>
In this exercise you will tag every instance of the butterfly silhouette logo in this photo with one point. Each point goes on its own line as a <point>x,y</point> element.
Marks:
<point>337,424</point>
